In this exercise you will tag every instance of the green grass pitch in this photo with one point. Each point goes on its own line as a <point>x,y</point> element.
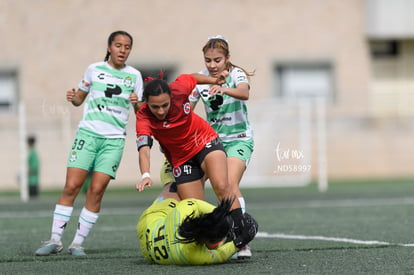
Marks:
<point>359,227</point>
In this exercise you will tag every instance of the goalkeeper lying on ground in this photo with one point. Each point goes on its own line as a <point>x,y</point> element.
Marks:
<point>191,231</point>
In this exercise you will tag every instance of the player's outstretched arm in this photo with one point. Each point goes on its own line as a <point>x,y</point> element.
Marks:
<point>205,79</point>
<point>144,153</point>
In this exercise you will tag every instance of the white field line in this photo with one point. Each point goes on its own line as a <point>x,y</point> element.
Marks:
<point>361,202</point>
<point>49,213</point>
<point>323,238</point>
<point>340,203</point>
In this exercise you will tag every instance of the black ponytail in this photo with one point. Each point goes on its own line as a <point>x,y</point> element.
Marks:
<point>211,226</point>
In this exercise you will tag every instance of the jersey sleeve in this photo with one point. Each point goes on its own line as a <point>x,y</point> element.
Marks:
<point>142,124</point>
<point>195,96</point>
<point>188,82</point>
<point>200,255</point>
<point>223,253</point>
<point>85,84</point>
<point>139,86</point>
<point>239,76</point>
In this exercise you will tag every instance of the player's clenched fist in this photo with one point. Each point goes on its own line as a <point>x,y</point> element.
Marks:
<point>70,95</point>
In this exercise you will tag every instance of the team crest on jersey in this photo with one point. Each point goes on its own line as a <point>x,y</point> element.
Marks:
<point>128,81</point>
<point>85,83</point>
<point>73,157</point>
<point>177,172</point>
<point>194,93</point>
<point>187,108</point>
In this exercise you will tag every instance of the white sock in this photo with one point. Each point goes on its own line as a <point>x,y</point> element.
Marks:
<point>61,217</point>
<point>87,219</point>
<point>242,204</point>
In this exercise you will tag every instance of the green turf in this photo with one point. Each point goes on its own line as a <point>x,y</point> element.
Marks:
<point>358,210</point>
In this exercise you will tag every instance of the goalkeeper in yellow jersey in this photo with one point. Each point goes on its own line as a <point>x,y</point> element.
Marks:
<point>191,231</point>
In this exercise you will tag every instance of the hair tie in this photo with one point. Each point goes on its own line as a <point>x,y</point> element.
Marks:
<point>148,78</point>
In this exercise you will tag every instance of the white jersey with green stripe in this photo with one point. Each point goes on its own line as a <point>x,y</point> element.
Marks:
<point>226,114</point>
<point>106,109</point>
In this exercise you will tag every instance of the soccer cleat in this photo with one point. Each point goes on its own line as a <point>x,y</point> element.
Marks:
<point>76,250</point>
<point>244,253</point>
<point>49,247</point>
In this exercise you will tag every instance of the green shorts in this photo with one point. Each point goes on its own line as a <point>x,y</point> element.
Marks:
<point>96,153</point>
<point>241,149</point>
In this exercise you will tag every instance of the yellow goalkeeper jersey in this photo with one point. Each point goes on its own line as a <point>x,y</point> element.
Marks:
<point>157,230</point>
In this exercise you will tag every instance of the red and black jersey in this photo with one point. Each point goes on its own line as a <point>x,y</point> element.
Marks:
<point>183,133</point>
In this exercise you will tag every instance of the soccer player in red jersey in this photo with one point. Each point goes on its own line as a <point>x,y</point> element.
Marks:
<point>188,142</point>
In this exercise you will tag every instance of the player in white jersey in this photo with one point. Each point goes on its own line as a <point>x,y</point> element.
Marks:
<point>107,107</point>
<point>226,112</point>
<point>108,89</point>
